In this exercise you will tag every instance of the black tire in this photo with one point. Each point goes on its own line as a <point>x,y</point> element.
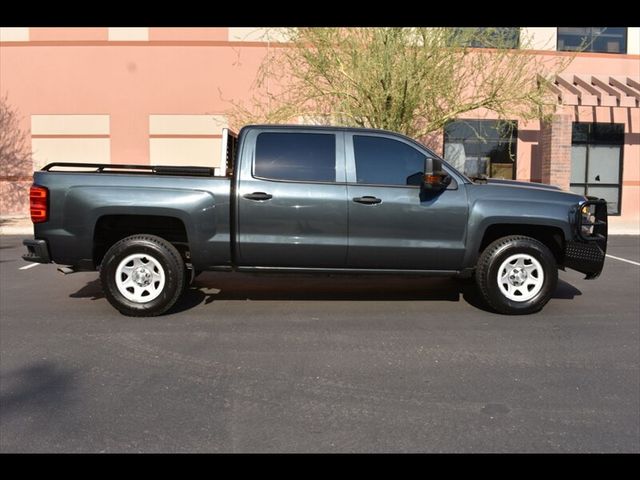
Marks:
<point>160,251</point>
<point>492,259</point>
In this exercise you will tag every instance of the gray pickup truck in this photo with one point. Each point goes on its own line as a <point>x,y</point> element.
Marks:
<point>311,199</point>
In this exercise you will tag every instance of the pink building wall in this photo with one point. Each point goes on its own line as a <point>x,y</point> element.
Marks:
<point>127,82</point>
<point>193,71</point>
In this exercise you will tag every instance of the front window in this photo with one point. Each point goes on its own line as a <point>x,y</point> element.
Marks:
<point>596,161</point>
<point>384,161</point>
<point>482,147</point>
<point>593,39</point>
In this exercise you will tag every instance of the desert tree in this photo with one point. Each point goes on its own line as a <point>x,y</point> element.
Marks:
<point>409,80</point>
<point>15,160</point>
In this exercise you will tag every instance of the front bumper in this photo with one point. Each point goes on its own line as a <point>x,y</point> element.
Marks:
<point>37,251</point>
<point>587,251</point>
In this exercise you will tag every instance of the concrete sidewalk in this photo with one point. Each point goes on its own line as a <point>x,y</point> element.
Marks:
<point>16,225</point>
<point>21,225</point>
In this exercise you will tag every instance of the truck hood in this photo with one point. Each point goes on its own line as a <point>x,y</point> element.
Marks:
<point>513,183</point>
<point>505,189</point>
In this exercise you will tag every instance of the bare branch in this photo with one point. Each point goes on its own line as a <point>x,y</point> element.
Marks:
<point>410,80</point>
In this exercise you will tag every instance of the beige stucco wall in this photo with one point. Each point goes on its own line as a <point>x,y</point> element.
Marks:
<point>540,38</point>
<point>187,124</point>
<point>70,138</point>
<point>14,34</point>
<point>186,140</point>
<point>70,124</point>
<point>128,33</point>
<point>256,34</point>
<point>633,42</point>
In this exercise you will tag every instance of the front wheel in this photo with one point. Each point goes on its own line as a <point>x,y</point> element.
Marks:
<point>142,275</point>
<point>517,275</point>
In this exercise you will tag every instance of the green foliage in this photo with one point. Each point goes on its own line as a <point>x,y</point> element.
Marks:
<point>409,80</point>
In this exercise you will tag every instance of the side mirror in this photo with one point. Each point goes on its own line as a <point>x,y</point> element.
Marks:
<point>435,178</point>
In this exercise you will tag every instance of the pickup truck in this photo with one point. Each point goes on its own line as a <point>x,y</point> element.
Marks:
<point>311,199</point>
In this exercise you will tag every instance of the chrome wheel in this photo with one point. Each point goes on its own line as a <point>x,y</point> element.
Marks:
<point>140,278</point>
<point>520,277</point>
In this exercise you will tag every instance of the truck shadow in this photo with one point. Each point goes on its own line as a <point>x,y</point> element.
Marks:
<point>212,286</point>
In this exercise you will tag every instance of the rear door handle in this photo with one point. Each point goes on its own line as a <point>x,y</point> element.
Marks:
<point>258,196</point>
<point>368,200</point>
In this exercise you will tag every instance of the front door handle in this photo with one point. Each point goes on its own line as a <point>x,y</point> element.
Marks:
<point>368,200</point>
<point>258,196</point>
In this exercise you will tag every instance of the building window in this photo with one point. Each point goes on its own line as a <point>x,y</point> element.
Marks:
<point>488,37</point>
<point>593,39</point>
<point>302,157</point>
<point>596,162</point>
<point>482,147</point>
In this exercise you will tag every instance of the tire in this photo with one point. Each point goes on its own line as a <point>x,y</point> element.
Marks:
<point>517,275</point>
<point>142,275</point>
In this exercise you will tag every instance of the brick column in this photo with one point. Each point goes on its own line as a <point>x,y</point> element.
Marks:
<point>555,150</point>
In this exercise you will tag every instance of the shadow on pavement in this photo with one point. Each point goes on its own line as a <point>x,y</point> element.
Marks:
<point>40,386</point>
<point>92,290</point>
<point>211,286</point>
<point>233,286</point>
<point>565,291</point>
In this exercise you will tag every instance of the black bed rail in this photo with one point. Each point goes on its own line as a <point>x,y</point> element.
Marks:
<point>119,168</point>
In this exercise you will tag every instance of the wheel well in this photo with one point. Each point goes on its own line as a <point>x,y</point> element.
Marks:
<point>552,237</point>
<point>112,228</point>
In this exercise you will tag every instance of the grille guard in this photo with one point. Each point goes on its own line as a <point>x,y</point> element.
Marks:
<point>587,252</point>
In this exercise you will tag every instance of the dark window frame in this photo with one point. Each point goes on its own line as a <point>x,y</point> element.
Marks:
<point>591,39</point>
<point>586,183</point>
<point>513,141</point>
<point>336,159</point>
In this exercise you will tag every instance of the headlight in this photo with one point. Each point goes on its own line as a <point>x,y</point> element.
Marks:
<point>587,213</point>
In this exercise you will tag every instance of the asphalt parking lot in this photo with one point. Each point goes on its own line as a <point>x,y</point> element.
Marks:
<point>319,364</point>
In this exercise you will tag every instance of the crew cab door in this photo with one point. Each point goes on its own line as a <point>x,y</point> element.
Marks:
<point>393,224</point>
<point>292,199</point>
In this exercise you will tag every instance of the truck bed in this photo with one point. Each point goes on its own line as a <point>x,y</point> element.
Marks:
<point>81,202</point>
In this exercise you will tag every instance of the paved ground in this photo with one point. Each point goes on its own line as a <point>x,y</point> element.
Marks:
<point>330,364</point>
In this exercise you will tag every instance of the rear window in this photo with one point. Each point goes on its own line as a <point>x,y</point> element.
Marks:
<point>302,157</point>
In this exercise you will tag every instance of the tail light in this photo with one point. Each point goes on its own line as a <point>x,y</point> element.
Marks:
<point>39,204</point>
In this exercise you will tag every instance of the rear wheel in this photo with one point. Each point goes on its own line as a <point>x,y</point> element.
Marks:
<point>517,275</point>
<point>142,275</point>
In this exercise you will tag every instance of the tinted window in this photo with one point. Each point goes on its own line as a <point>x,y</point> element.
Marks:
<point>593,39</point>
<point>384,161</point>
<point>296,156</point>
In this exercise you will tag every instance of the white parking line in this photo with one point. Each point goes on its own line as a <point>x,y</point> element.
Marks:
<point>624,260</point>
<point>31,265</point>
